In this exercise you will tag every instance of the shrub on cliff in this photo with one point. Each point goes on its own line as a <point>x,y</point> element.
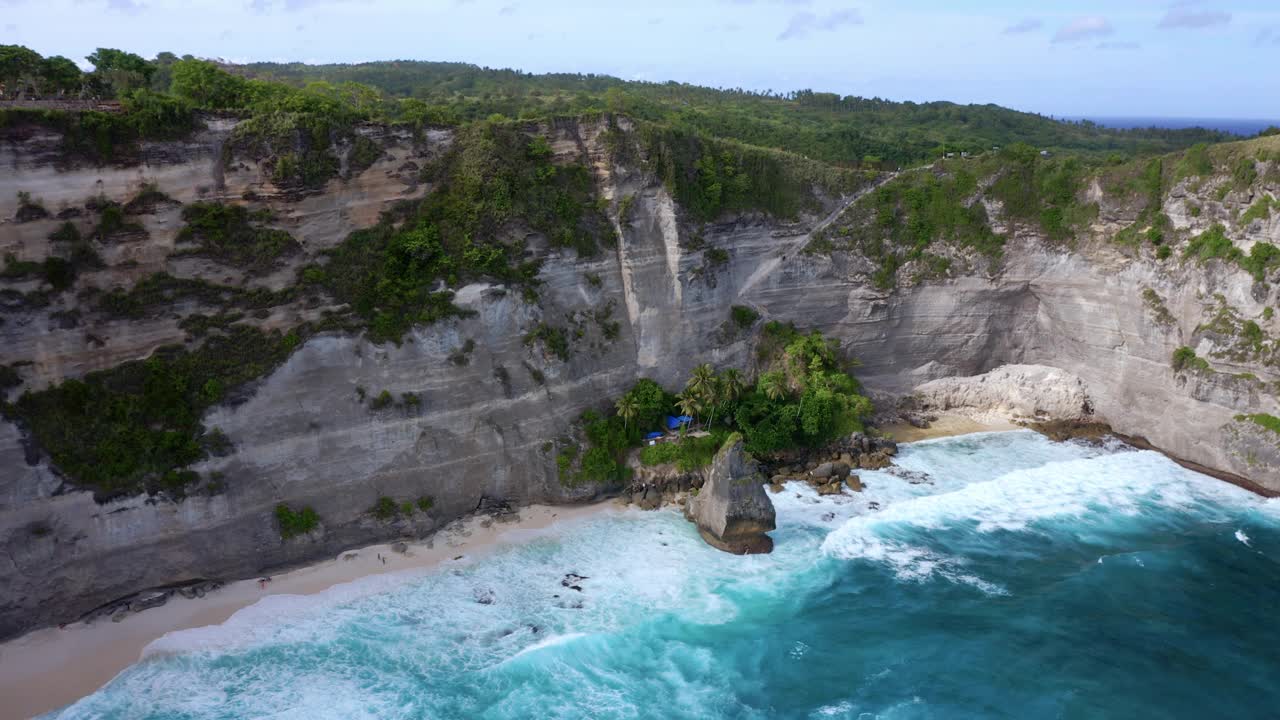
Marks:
<point>295,522</point>
<point>1184,358</point>
<point>743,316</point>
<point>688,453</point>
<point>1263,420</point>
<point>234,235</point>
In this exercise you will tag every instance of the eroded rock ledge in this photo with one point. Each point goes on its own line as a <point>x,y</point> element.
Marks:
<point>1015,392</point>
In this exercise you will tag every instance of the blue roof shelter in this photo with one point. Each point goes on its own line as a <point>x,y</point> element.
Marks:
<point>674,423</point>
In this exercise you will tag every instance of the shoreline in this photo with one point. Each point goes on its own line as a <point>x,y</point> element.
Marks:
<point>949,424</point>
<point>51,668</point>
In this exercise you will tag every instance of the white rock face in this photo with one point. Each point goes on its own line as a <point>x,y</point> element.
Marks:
<point>1023,392</point>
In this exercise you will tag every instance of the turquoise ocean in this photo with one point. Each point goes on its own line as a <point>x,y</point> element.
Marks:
<point>996,575</point>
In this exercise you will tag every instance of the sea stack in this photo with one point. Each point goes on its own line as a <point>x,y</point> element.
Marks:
<point>732,510</point>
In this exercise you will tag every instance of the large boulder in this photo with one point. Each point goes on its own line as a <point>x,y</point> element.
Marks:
<point>1033,392</point>
<point>732,510</point>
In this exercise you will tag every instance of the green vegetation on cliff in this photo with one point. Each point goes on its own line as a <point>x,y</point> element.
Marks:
<point>687,454</point>
<point>295,522</point>
<point>709,177</point>
<point>494,180</point>
<point>1263,420</point>
<point>1214,244</point>
<point>234,235</point>
<point>137,427</point>
<point>804,397</point>
<point>1185,358</point>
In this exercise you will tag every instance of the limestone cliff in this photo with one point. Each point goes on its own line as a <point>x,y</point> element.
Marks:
<point>490,406</point>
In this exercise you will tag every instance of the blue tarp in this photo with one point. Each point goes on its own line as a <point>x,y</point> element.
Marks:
<point>652,435</point>
<point>675,422</point>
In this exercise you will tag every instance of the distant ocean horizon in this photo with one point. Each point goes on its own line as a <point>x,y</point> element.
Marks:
<point>1237,126</point>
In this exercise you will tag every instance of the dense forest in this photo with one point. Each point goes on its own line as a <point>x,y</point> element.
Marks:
<point>847,131</point>
<point>825,126</point>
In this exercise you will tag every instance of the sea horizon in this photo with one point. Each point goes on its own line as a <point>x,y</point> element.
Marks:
<point>1244,127</point>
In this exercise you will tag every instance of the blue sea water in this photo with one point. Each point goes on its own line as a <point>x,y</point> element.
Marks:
<point>1019,579</point>
<point>1245,127</point>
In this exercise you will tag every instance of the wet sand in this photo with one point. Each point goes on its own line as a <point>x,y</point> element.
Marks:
<point>51,668</point>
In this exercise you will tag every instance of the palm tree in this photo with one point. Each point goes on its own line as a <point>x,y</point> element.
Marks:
<point>627,409</point>
<point>713,395</point>
<point>703,377</point>
<point>690,404</point>
<point>774,385</point>
<point>732,383</point>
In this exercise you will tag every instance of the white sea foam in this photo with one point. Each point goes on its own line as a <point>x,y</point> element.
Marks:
<point>841,708</point>
<point>1079,489</point>
<point>1242,537</point>
<point>550,642</point>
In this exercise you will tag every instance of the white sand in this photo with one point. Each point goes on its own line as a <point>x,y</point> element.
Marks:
<point>950,423</point>
<point>48,669</point>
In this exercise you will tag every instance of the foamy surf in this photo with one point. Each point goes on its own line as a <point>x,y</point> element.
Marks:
<point>990,557</point>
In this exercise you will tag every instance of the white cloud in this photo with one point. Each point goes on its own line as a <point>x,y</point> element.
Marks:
<point>1183,16</point>
<point>1024,26</point>
<point>804,23</point>
<point>1083,28</point>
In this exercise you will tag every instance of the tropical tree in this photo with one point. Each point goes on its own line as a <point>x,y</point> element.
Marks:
<point>773,385</point>
<point>712,395</point>
<point>732,383</point>
<point>119,72</point>
<point>18,65</point>
<point>702,378</point>
<point>208,85</point>
<point>627,408</point>
<point>59,76</point>
<point>690,403</point>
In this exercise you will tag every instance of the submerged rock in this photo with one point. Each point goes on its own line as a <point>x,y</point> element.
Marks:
<point>732,511</point>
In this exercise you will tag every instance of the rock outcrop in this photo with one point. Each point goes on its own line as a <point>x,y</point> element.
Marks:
<point>732,510</point>
<point>1024,392</point>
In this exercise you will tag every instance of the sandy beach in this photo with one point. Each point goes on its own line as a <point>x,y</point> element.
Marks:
<point>949,424</point>
<point>51,668</point>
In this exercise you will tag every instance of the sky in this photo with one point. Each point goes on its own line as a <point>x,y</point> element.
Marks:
<point>1203,58</point>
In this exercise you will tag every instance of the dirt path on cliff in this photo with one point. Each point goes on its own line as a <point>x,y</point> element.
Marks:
<point>794,245</point>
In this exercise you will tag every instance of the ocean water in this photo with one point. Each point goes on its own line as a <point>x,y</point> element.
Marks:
<point>1003,577</point>
<point>1245,127</point>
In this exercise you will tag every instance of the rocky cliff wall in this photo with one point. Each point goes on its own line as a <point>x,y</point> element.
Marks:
<point>490,427</point>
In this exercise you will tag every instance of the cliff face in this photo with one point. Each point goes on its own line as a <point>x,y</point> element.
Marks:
<point>492,408</point>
